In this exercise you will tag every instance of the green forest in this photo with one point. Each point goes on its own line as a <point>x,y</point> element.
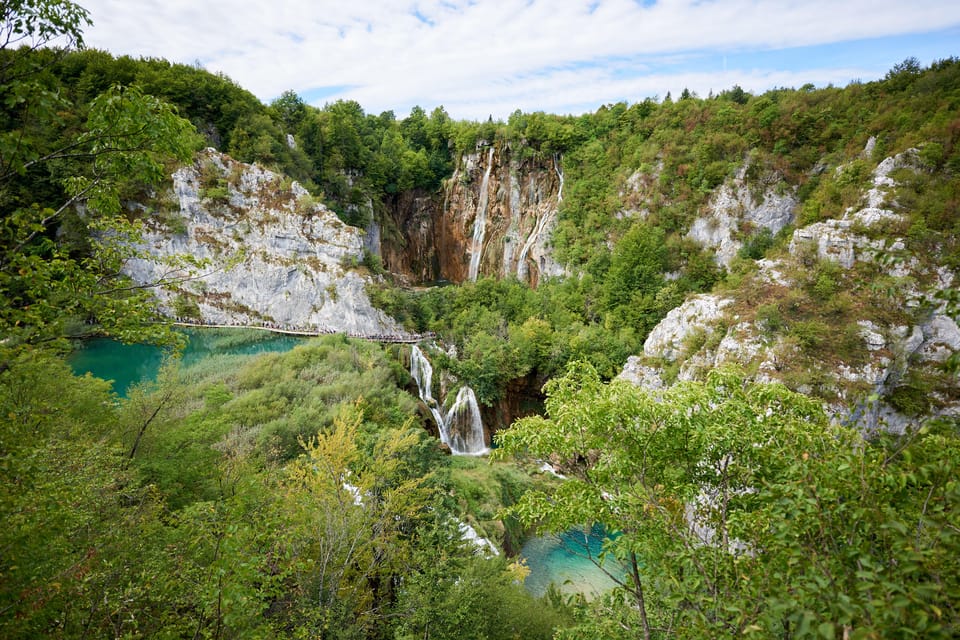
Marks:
<point>298,495</point>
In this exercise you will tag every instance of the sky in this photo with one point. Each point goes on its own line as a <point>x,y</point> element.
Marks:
<point>482,58</point>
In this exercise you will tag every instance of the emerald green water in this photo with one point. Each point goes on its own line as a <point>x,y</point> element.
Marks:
<point>128,364</point>
<point>564,560</point>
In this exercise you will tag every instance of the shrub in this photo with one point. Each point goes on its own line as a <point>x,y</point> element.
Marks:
<point>931,155</point>
<point>912,397</point>
<point>218,193</point>
<point>851,348</point>
<point>769,318</point>
<point>757,244</point>
<point>306,203</point>
<point>373,262</point>
<point>824,286</point>
<point>185,306</point>
<point>810,334</point>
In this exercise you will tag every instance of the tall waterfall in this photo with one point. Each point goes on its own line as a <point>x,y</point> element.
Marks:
<point>539,226</point>
<point>556,167</point>
<point>461,429</point>
<point>480,222</point>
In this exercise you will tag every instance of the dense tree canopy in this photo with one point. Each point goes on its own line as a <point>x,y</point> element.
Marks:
<point>189,509</point>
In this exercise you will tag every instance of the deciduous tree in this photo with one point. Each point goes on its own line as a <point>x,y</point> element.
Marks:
<point>120,149</point>
<point>737,508</point>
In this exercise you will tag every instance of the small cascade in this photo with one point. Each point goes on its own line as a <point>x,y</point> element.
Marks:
<point>461,429</point>
<point>480,222</point>
<point>463,425</point>
<point>483,545</point>
<point>422,372</point>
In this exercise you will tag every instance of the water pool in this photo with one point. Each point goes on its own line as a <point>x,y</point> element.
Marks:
<point>564,560</point>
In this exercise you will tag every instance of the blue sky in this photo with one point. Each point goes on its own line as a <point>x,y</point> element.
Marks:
<point>479,58</point>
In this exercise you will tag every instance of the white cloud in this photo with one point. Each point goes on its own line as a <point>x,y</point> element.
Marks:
<point>492,56</point>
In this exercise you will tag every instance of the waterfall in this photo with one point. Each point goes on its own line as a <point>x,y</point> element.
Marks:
<point>480,222</point>
<point>539,227</point>
<point>422,372</point>
<point>556,167</point>
<point>463,426</point>
<point>510,247</point>
<point>484,546</point>
<point>461,429</point>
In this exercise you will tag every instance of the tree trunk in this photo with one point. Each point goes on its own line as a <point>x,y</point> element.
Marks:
<point>638,594</point>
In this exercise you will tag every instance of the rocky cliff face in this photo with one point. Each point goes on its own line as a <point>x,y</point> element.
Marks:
<point>493,218</point>
<point>738,209</point>
<point>266,252</point>
<point>846,240</point>
<point>814,318</point>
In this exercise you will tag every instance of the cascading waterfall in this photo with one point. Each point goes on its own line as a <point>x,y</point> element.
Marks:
<point>541,224</point>
<point>463,425</point>
<point>461,429</point>
<point>480,222</point>
<point>422,372</point>
<point>522,270</point>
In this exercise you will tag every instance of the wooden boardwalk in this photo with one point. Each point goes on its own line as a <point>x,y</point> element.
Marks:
<point>385,338</point>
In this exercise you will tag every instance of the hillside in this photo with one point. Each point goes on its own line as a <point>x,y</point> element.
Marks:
<point>613,218</point>
<point>845,311</point>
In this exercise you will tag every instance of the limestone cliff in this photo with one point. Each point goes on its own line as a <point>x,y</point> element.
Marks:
<point>493,217</point>
<point>739,208</point>
<point>267,252</point>
<point>816,318</point>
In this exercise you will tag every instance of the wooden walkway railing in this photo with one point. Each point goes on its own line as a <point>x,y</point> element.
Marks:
<point>386,338</point>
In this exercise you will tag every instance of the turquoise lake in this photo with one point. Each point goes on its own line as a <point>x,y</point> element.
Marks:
<point>129,364</point>
<point>562,560</point>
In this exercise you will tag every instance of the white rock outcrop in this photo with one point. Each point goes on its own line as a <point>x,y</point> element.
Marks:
<point>838,240</point>
<point>941,339</point>
<point>734,207</point>
<point>698,313</point>
<point>272,254</point>
<point>871,335</point>
<point>842,240</point>
<point>772,272</point>
<point>642,375</point>
<point>740,345</point>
